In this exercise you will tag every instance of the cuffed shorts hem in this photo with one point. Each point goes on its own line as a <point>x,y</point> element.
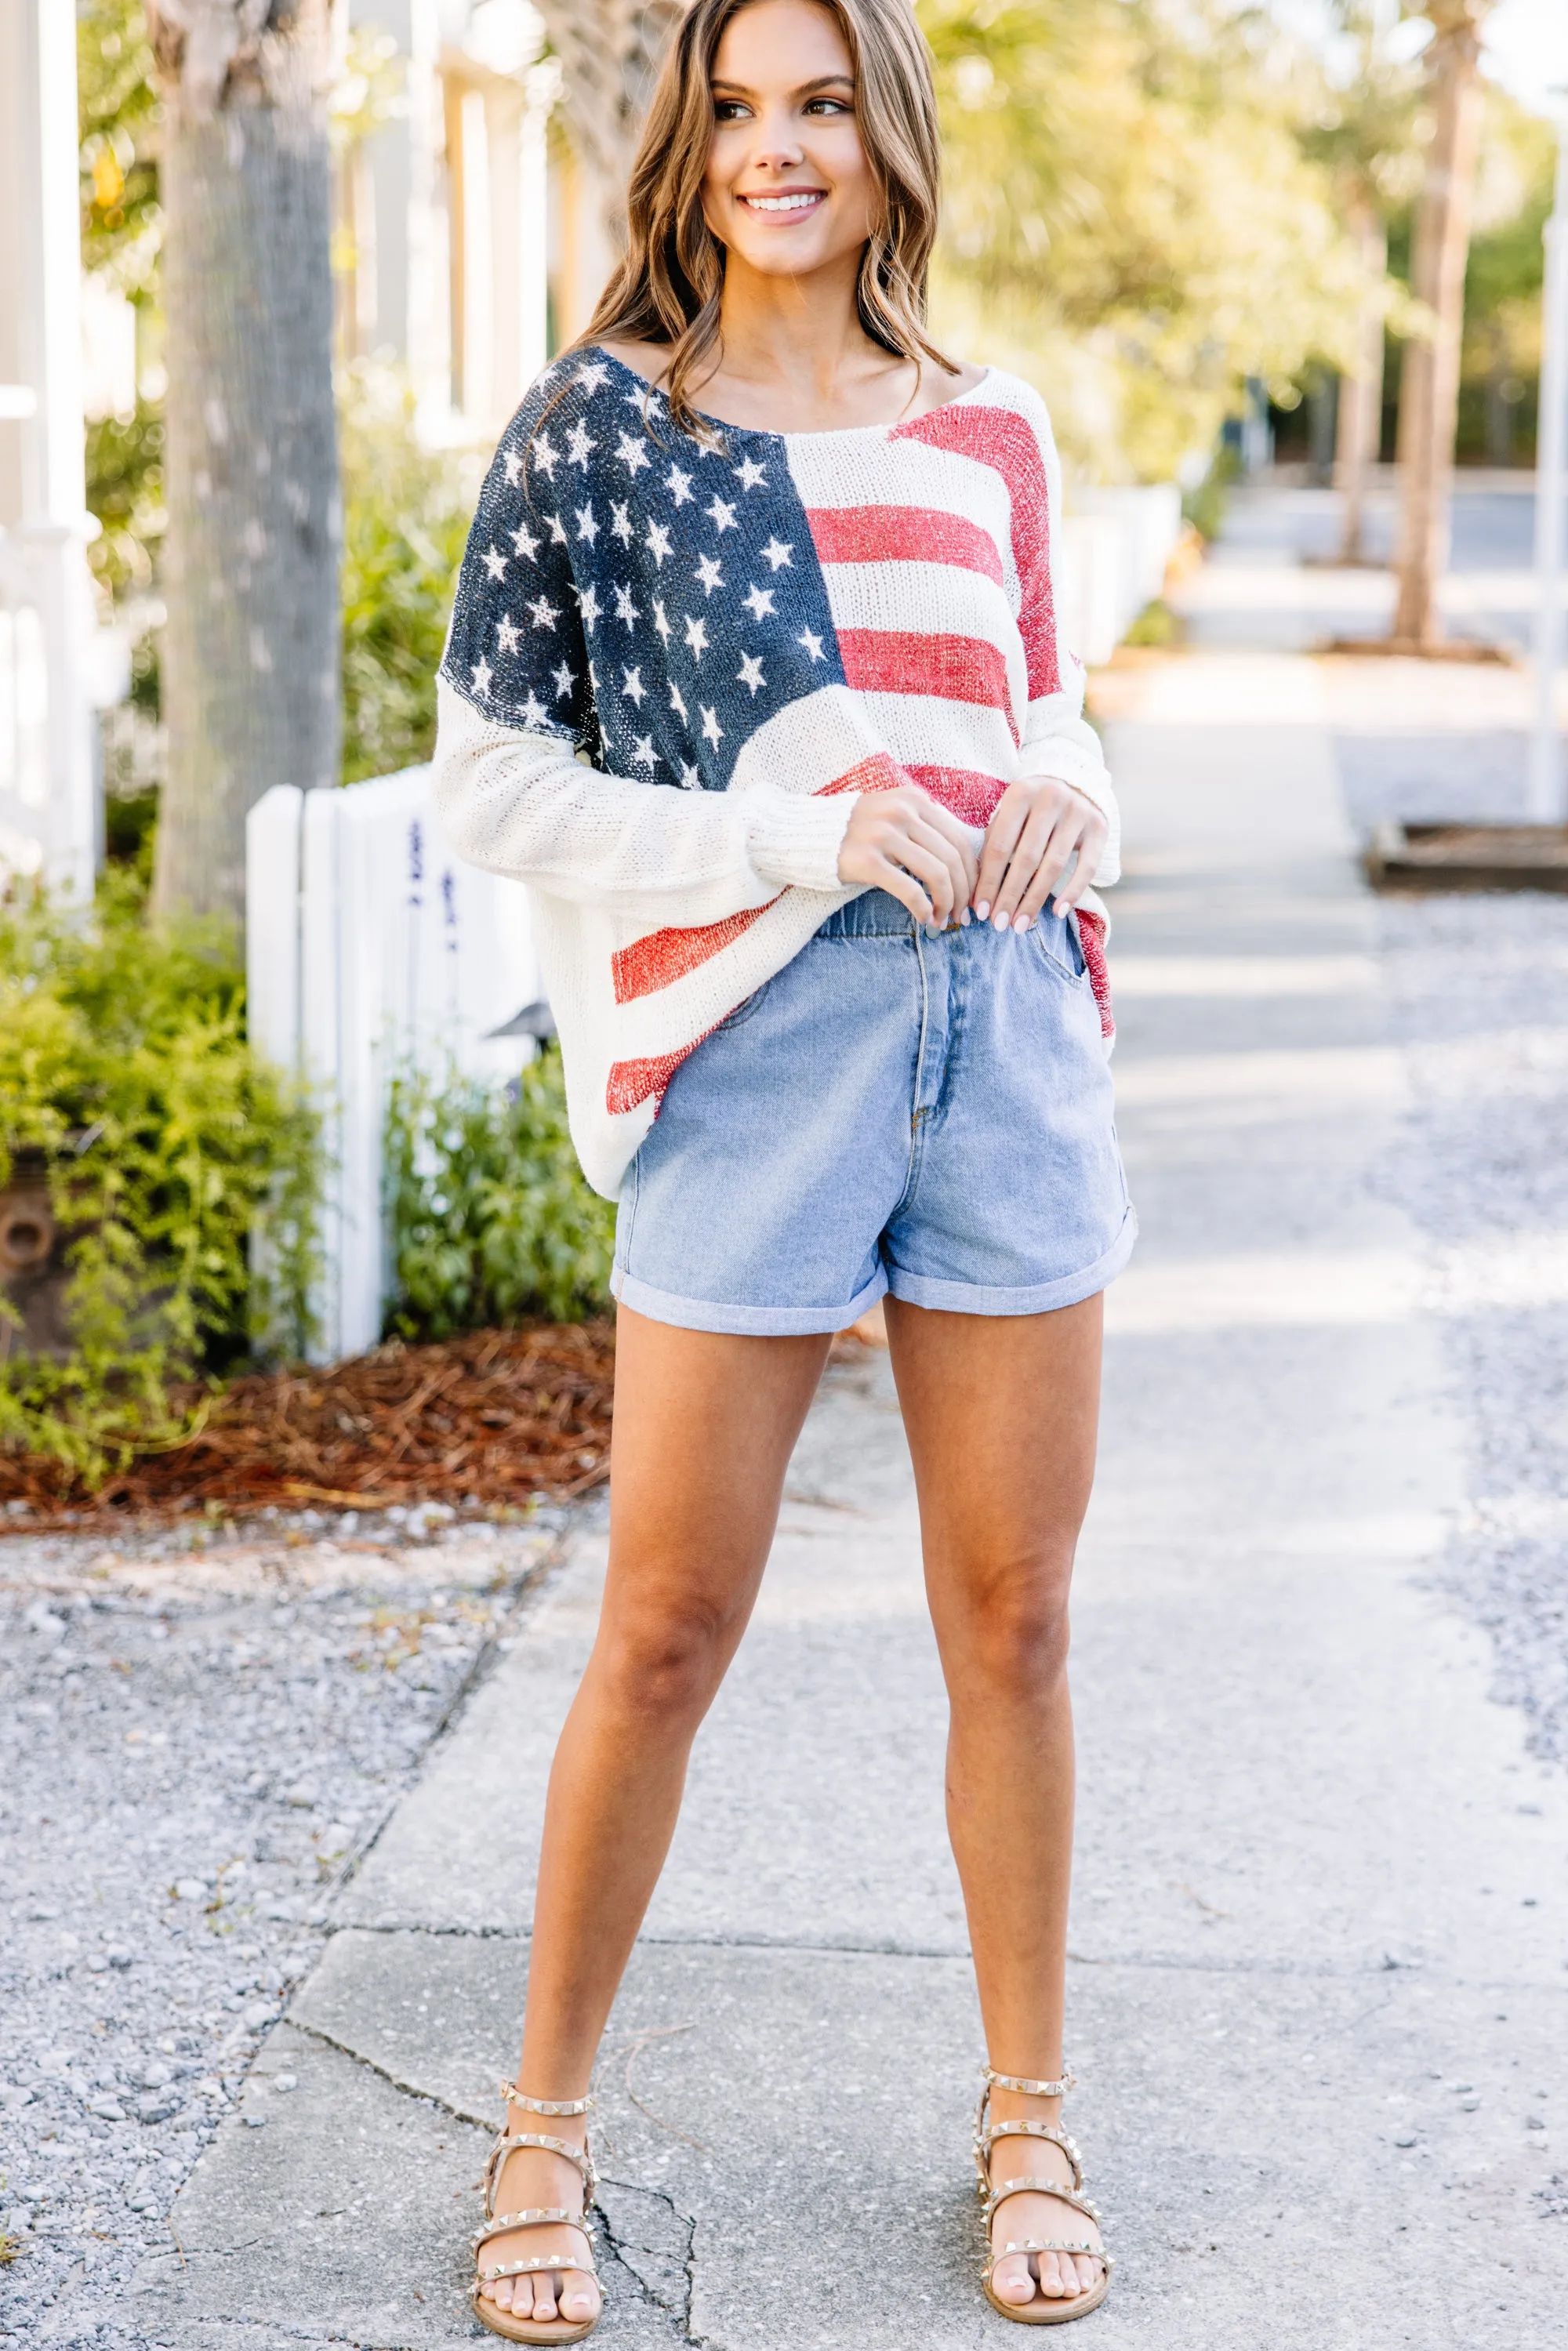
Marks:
<point>1039,1298</point>
<point>744,1321</point>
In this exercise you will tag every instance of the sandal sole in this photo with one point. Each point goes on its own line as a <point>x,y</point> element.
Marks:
<point>531,2330</point>
<point>1049,2314</point>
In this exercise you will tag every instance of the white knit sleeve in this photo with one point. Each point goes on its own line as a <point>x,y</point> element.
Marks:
<point>523,804</point>
<point>1058,740</point>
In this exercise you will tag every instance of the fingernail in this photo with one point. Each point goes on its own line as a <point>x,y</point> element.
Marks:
<point>962,918</point>
<point>983,908</point>
<point>1023,922</point>
<point>1059,910</point>
<point>1002,921</point>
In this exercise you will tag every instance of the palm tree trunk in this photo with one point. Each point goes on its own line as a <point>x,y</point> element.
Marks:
<point>1361,393</point>
<point>250,650</point>
<point>1429,393</point>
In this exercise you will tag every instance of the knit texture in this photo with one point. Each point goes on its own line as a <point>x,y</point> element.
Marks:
<point>672,666</point>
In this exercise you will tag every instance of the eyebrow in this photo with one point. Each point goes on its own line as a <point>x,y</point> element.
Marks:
<point>806,89</point>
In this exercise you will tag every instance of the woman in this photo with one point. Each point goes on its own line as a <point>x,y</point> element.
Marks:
<point>753,674</point>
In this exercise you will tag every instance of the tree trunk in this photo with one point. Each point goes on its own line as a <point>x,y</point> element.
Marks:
<point>250,661</point>
<point>1360,432</point>
<point>1429,393</point>
<point>609,52</point>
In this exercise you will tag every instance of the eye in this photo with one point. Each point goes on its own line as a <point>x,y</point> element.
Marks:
<point>731,109</point>
<point>828,105</point>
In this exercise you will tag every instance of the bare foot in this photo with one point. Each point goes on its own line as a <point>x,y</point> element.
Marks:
<point>1019,2278</point>
<point>531,2179</point>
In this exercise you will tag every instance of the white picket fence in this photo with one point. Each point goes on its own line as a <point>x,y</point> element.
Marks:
<point>371,950</point>
<point>1112,551</point>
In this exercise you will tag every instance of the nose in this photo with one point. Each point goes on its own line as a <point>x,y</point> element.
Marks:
<point>776,142</point>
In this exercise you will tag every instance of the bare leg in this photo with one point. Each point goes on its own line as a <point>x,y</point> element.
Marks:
<point>1002,1413</point>
<point>704,1426</point>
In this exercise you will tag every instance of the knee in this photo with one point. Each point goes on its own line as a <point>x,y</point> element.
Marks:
<point>669,1661</point>
<point>1019,1631</point>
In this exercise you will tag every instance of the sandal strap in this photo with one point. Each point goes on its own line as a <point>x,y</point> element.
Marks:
<point>985,2139</point>
<point>1027,2089</point>
<point>516,2097</point>
<point>999,2196</point>
<point>538,2216</point>
<point>1049,2245</point>
<point>510,2140</point>
<point>523,2269</point>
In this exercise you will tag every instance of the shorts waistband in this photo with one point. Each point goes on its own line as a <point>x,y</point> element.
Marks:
<point>874,914</point>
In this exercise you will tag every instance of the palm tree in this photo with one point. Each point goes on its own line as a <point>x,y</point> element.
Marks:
<point>250,653</point>
<point>1429,395</point>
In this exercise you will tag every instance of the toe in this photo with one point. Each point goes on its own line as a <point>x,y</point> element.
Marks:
<point>1088,2273</point>
<point>1051,2283</point>
<point>1010,2280</point>
<point>579,2296</point>
<point>544,2293</point>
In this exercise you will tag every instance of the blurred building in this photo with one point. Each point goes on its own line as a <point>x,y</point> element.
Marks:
<point>470,230</point>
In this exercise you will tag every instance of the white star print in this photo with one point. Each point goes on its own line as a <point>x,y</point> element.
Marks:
<point>812,643</point>
<point>588,605</point>
<point>661,621</point>
<point>633,686</point>
<point>587,527</point>
<point>620,523</point>
<point>547,456</point>
<point>643,752</point>
<point>657,543</point>
<point>513,465</point>
<point>677,700</point>
<point>580,444</point>
<point>591,374</point>
<point>482,675</point>
<point>630,452</point>
<point>534,712</point>
<point>697,635</point>
<point>546,614</point>
<point>758,601</point>
<point>625,609</point>
<point>680,485</point>
<point>565,679</point>
<point>708,572</point>
<point>495,564</point>
<point>691,777</point>
<point>750,476</point>
<point>557,530</point>
<point>721,514</point>
<point>592,679</point>
<point>525,542</point>
<point>712,731</point>
<point>776,552</point>
<point>507,635</point>
<point>749,673</point>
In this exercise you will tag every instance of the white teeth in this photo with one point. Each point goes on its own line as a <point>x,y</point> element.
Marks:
<point>780,203</point>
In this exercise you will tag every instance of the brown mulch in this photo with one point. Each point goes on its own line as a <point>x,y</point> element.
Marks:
<point>485,1420</point>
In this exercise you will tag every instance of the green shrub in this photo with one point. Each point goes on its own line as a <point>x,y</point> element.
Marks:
<point>405,521</point>
<point>1157,624</point>
<point>492,1219</point>
<point>123,1064</point>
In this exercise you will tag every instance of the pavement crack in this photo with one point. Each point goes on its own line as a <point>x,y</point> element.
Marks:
<point>655,2241</point>
<point>409,2089</point>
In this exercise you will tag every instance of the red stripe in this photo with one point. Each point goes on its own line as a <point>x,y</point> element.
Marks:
<point>1005,441</point>
<point>632,1083</point>
<point>902,535</point>
<point>971,796</point>
<point>878,774</point>
<point>904,661</point>
<point>652,963</point>
<point>1091,939</point>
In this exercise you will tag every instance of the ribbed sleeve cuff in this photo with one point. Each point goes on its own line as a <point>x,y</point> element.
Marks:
<point>794,840</point>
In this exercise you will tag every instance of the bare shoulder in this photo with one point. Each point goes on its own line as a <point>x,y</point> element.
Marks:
<point>648,360</point>
<point>966,376</point>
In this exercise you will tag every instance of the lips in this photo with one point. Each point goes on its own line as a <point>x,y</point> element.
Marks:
<point>793,203</point>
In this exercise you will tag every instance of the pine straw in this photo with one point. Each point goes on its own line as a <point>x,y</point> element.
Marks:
<point>487,1419</point>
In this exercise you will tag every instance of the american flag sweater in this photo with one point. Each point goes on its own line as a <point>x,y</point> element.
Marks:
<point>672,666</point>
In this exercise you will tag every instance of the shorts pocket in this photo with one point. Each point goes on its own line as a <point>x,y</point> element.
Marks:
<point>1058,943</point>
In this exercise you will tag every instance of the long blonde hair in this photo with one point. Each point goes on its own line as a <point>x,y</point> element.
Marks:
<point>669,287</point>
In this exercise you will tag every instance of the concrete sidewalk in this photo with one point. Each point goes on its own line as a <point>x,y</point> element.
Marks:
<point>1317,1988</point>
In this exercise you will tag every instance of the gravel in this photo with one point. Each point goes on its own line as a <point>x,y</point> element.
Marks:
<point>1479,988</point>
<point>198,1742</point>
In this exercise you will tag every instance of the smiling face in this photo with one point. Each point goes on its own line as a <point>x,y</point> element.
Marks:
<point>787,189</point>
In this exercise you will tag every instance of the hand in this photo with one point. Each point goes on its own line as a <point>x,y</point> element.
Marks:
<point>902,841</point>
<point>1038,827</point>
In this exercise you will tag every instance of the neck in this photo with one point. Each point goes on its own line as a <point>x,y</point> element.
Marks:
<point>797,335</point>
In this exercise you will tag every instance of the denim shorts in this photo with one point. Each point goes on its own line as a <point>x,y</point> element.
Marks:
<point>928,1113</point>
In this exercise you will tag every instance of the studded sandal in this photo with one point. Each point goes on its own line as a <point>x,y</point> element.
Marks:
<point>1042,2311</point>
<point>514,2328</point>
